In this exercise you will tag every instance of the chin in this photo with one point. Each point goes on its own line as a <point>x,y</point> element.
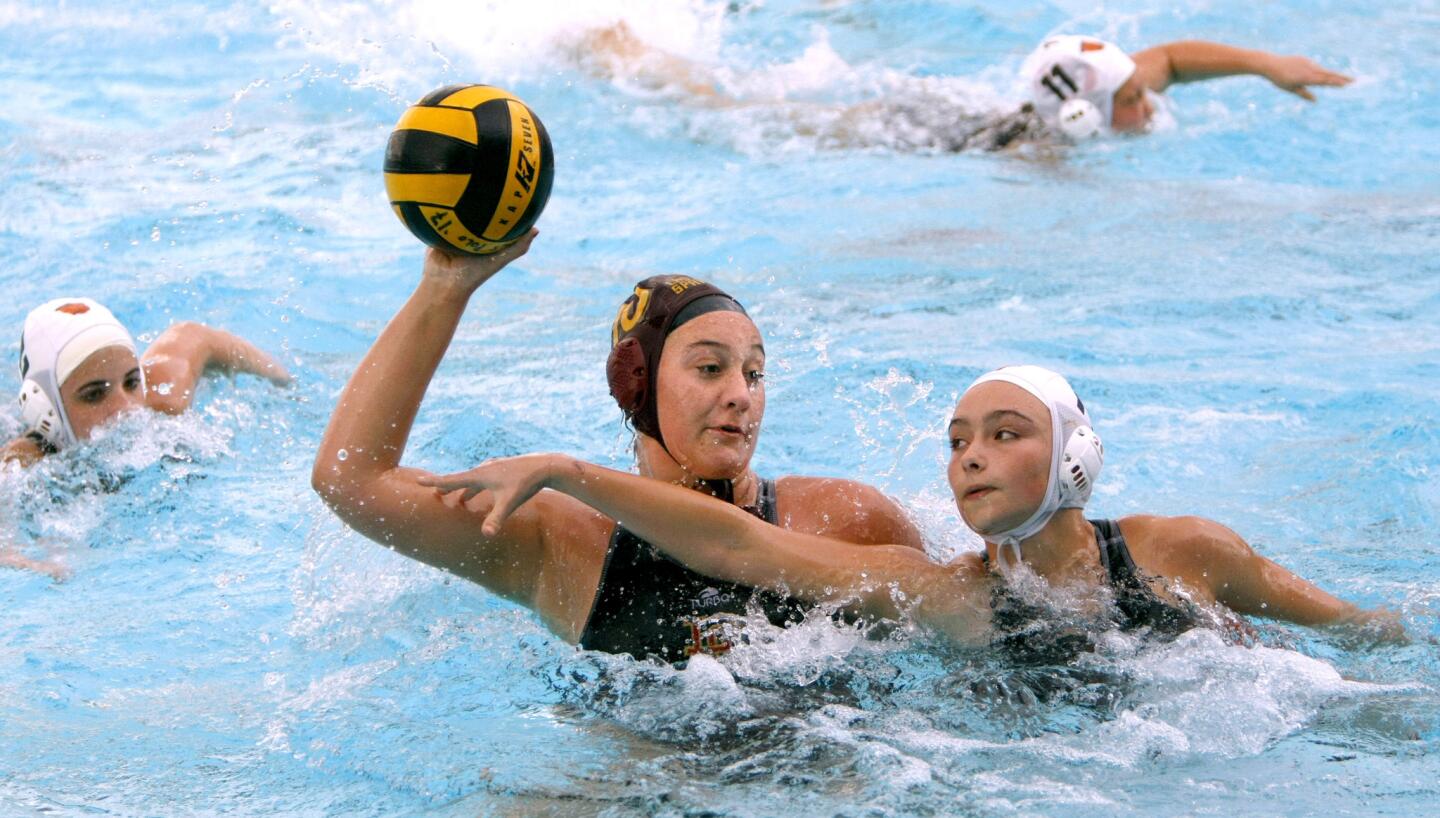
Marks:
<point>721,467</point>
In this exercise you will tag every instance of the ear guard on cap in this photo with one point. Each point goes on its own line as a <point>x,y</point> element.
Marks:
<point>1080,119</point>
<point>1080,466</point>
<point>39,414</point>
<point>628,375</point>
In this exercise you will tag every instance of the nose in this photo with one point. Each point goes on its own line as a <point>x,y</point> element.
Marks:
<point>973,460</point>
<point>123,401</point>
<point>738,391</point>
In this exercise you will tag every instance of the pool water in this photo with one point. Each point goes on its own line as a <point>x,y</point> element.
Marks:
<point>1247,301</point>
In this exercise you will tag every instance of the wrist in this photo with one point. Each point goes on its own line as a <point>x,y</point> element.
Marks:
<point>434,292</point>
<point>559,469</point>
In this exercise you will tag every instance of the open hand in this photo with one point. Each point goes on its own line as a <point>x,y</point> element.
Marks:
<point>510,480</point>
<point>1294,73</point>
<point>466,272</point>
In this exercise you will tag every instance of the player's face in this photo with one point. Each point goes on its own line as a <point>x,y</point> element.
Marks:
<point>104,385</point>
<point>1000,443</point>
<point>710,394</point>
<point>1132,108</point>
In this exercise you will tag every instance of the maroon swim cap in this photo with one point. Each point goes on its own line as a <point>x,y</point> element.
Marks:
<point>658,307</point>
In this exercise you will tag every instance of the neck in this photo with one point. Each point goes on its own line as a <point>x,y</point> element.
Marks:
<point>657,463</point>
<point>1062,549</point>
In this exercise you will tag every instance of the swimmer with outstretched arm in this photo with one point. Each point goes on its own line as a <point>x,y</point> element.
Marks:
<point>1083,85</point>
<point>1024,460</point>
<point>1107,90</point>
<point>79,368</point>
<point>686,367</point>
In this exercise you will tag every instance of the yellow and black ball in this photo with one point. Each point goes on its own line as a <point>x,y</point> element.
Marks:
<point>468,169</point>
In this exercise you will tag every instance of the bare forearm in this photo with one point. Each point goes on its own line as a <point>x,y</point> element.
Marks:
<point>1193,60</point>
<point>373,417</point>
<point>722,541</point>
<point>231,353</point>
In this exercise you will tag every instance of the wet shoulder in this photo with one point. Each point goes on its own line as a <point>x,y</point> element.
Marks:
<point>1185,547</point>
<point>844,509</point>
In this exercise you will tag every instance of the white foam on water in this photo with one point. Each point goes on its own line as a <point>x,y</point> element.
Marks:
<point>403,46</point>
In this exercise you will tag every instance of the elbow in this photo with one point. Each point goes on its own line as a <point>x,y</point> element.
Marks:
<point>331,480</point>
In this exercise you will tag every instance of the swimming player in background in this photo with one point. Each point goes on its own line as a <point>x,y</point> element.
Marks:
<point>1099,86</point>
<point>1024,459</point>
<point>79,368</point>
<point>686,367</point>
<point>1083,86</point>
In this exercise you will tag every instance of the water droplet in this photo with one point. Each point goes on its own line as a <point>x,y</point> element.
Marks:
<point>342,455</point>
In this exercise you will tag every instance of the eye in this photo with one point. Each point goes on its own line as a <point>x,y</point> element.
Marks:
<point>93,393</point>
<point>132,381</point>
<point>1006,434</point>
<point>957,443</point>
<point>755,375</point>
<point>709,369</point>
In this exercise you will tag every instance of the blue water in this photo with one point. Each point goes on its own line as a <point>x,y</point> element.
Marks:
<point>1247,301</point>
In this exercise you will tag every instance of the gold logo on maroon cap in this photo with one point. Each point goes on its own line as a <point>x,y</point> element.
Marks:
<point>632,312</point>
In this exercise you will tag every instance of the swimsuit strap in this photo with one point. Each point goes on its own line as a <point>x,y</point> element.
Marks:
<point>766,508</point>
<point>1114,553</point>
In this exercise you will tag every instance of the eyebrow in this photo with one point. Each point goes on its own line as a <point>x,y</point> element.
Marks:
<point>724,346</point>
<point>995,415</point>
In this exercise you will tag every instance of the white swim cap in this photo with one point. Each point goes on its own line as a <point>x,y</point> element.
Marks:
<point>1076,453</point>
<point>59,335</point>
<point>1071,67</point>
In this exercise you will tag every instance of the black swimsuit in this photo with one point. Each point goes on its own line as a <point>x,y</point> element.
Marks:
<point>650,605</point>
<point>1031,634</point>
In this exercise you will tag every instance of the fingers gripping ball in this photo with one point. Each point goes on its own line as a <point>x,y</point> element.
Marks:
<point>468,169</point>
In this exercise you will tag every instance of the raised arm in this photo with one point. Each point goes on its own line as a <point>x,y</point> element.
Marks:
<point>1193,60</point>
<point>720,540</point>
<point>185,351</point>
<point>358,473</point>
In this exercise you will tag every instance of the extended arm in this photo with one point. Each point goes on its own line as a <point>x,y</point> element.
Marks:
<point>185,351</point>
<point>1253,585</point>
<point>11,557</point>
<point>1193,60</point>
<point>720,540</point>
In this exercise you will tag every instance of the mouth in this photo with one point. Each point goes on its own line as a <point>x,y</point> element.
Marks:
<point>978,492</point>
<point>731,431</point>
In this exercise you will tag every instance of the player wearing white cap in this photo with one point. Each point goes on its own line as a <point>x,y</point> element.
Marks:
<point>1023,462</point>
<point>1079,86</point>
<point>1083,85</point>
<point>79,368</point>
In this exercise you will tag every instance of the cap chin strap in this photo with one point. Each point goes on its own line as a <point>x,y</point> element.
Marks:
<point>1069,485</point>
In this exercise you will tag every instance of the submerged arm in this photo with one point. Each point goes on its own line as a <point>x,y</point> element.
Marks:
<point>720,540</point>
<point>1194,60</point>
<point>186,350</point>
